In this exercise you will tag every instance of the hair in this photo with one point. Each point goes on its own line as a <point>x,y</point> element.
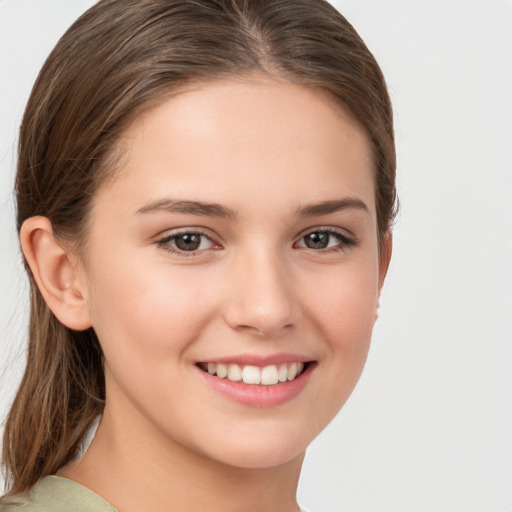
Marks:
<point>117,60</point>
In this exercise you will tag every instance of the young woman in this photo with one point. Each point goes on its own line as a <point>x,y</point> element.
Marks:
<point>205,194</point>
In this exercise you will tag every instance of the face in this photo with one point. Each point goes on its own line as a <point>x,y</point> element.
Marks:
<point>232,270</point>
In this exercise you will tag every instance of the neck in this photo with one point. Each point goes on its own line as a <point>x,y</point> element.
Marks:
<point>151,472</point>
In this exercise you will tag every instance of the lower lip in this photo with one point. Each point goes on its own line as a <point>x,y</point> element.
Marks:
<point>259,395</point>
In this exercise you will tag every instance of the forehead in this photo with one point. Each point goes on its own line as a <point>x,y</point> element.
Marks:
<point>239,140</point>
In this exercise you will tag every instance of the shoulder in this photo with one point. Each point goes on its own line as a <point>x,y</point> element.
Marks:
<point>56,494</point>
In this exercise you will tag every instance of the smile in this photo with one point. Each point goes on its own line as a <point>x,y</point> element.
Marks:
<point>269,375</point>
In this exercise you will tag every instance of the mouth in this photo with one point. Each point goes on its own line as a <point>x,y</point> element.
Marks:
<point>258,385</point>
<point>269,375</point>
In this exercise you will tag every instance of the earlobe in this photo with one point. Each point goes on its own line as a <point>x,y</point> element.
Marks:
<point>385,258</point>
<point>55,273</point>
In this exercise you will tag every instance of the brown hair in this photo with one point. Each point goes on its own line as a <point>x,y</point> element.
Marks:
<point>119,58</point>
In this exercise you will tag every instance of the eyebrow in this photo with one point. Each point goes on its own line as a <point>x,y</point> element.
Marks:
<point>332,206</point>
<point>217,210</point>
<point>188,207</point>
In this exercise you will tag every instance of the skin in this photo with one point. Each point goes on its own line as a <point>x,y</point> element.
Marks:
<point>266,149</point>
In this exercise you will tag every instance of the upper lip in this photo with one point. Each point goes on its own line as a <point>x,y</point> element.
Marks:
<point>259,359</point>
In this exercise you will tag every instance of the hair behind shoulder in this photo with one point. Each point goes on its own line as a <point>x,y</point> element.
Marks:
<point>117,60</point>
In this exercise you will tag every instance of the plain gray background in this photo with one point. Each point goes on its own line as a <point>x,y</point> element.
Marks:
<point>429,427</point>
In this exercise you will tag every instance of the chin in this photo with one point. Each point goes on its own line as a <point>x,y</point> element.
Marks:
<point>252,457</point>
<point>261,445</point>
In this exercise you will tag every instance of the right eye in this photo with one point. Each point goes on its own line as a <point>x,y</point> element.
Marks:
<point>187,243</point>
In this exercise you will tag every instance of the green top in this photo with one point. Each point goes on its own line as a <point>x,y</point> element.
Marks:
<point>57,494</point>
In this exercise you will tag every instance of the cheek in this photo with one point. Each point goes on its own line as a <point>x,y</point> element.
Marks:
<point>145,324</point>
<point>147,314</point>
<point>344,309</point>
<point>339,313</point>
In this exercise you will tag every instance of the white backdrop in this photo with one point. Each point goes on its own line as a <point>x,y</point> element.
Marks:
<point>429,427</point>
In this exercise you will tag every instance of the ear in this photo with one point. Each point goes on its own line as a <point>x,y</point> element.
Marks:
<point>385,258</point>
<point>55,272</point>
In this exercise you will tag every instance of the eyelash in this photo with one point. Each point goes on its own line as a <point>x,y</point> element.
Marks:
<point>344,241</point>
<point>165,242</point>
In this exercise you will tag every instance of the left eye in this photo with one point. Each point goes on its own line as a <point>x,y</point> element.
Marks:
<point>323,240</point>
<point>187,242</point>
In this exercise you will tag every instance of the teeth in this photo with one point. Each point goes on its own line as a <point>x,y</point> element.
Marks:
<point>268,376</point>
<point>251,375</point>
<point>292,371</point>
<point>282,374</point>
<point>222,371</point>
<point>234,372</point>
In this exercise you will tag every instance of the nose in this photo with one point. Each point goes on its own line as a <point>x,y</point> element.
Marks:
<point>262,299</point>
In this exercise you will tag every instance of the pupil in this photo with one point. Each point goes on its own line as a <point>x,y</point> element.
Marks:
<point>317,240</point>
<point>188,242</point>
